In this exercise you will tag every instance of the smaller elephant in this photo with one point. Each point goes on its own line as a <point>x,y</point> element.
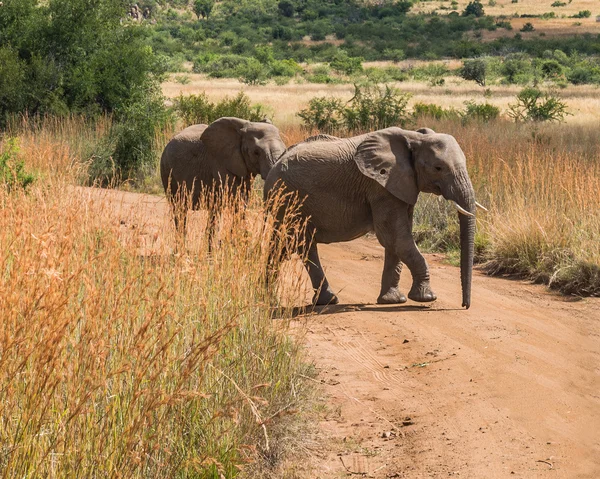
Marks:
<point>348,187</point>
<point>227,153</point>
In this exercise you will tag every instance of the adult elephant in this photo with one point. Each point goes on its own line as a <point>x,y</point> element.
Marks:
<point>228,153</point>
<point>351,186</point>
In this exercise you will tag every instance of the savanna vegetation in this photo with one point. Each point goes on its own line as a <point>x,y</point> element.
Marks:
<point>123,354</point>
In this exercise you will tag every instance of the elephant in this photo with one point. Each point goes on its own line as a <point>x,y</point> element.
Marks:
<point>351,186</point>
<point>228,152</point>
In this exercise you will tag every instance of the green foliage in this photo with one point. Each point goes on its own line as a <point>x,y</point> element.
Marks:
<point>130,149</point>
<point>474,70</point>
<point>323,114</point>
<point>559,4</point>
<point>551,69</point>
<point>534,105</point>
<point>371,108</point>
<point>286,8</point>
<point>482,112</point>
<point>528,27</point>
<point>431,110</point>
<point>194,109</point>
<point>474,8</point>
<point>342,63</point>
<point>203,8</point>
<point>253,72</point>
<point>582,14</point>
<point>12,169</point>
<point>67,56</point>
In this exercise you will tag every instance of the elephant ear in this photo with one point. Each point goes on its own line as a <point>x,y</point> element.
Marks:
<point>426,131</point>
<point>385,156</point>
<point>223,142</point>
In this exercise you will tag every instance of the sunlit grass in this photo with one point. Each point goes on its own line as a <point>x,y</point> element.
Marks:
<point>120,357</point>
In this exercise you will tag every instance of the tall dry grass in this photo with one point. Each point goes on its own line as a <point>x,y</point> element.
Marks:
<point>119,358</point>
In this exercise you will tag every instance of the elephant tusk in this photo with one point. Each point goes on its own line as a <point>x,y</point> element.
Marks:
<point>481,206</point>
<point>462,210</point>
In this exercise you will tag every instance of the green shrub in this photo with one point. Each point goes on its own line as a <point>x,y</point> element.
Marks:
<point>551,69</point>
<point>474,8</point>
<point>130,149</point>
<point>431,110</point>
<point>194,109</point>
<point>559,4</point>
<point>534,105</point>
<point>582,14</point>
<point>584,74</point>
<point>12,169</point>
<point>253,72</point>
<point>342,63</point>
<point>371,108</point>
<point>528,27</point>
<point>285,68</point>
<point>474,70</point>
<point>482,112</point>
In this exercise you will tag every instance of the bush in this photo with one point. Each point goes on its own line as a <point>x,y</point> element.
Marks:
<point>344,64</point>
<point>371,108</point>
<point>551,69</point>
<point>474,70</point>
<point>431,110</point>
<point>582,14</point>
<point>12,169</point>
<point>559,4</point>
<point>533,105</point>
<point>253,72</point>
<point>584,74</point>
<point>474,8</point>
<point>482,112</point>
<point>528,27</point>
<point>130,149</point>
<point>194,109</point>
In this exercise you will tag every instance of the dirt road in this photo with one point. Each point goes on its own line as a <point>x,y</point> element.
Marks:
<point>509,388</point>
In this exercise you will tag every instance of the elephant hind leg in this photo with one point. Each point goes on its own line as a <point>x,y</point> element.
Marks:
<point>390,279</point>
<point>323,292</point>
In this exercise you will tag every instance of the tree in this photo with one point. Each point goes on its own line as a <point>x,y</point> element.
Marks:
<point>202,8</point>
<point>474,70</point>
<point>474,8</point>
<point>286,8</point>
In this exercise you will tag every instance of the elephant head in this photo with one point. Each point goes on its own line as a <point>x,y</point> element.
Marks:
<point>245,148</point>
<point>407,162</point>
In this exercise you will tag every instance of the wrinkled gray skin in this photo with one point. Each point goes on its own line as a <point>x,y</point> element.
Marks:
<point>371,182</point>
<point>230,151</point>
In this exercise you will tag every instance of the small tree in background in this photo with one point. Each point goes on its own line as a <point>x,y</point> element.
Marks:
<point>286,8</point>
<point>534,105</point>
<point>202,8</point>
<point>474,70</point>
<point>474,8</point>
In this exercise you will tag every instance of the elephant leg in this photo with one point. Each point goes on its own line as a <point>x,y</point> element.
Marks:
<point>393,225</point>
<point>211,226</point>
<point>323,293</point>
<point>390,293</point>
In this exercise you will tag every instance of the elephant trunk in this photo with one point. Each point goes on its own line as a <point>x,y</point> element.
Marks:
<point>463,194</point>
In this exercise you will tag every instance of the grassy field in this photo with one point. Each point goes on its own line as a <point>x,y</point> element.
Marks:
<point>121,358</point>
<point>287,100</point>
<point>560,26</point>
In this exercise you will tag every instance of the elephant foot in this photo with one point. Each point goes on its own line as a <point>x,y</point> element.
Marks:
<point>422,293</point>
<point>325,297</point>
<point>392,296</point>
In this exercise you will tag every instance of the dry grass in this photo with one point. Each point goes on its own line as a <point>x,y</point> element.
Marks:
<point>542,185</point>
<point>506,7</point>
<point>286,101</point>
<point>119,358</point>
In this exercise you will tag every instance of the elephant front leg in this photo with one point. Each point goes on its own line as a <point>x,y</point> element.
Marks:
<point>390,293</point>
<point>411,256</point>
<point>323,293</point>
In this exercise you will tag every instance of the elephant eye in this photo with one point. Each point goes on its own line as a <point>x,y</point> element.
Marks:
<point>382,171</point>
<point>257,152</point>
<point>439,168</point>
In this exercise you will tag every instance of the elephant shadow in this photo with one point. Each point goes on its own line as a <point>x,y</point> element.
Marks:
<point>330,309</point>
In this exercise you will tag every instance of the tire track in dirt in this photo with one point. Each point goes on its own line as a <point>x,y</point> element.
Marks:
<point>509,388</point>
